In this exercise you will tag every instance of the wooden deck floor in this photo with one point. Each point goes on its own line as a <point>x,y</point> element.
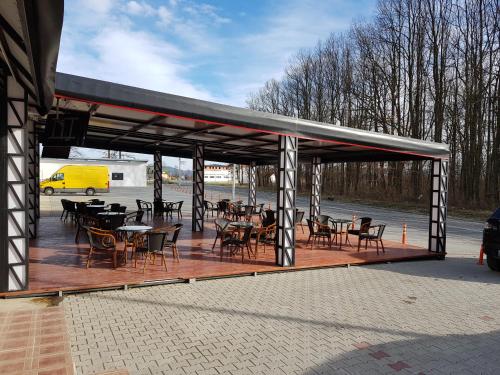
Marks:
<point>58,264</point>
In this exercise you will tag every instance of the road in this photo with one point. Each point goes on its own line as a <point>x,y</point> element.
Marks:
<point>463,236</point>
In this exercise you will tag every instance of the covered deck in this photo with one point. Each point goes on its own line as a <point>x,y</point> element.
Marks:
<point>57,263</point>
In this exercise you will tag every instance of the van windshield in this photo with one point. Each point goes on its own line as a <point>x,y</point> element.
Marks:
<point>57,177</point>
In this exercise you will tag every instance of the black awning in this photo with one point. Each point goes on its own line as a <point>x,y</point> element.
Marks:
<point>132,119</point>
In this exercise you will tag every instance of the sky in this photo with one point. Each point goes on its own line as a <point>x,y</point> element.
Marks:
<point>213,50</point>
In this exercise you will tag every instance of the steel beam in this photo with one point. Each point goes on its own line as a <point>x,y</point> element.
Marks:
<point>157,182</point>
<point>198,187</point>
<point>439,206</point>
<point>252,184</point>
<point>287,183</point>
<point>14,229</point>
<point>315,198</point>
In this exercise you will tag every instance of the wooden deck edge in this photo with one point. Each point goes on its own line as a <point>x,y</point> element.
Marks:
<point>146,283</point>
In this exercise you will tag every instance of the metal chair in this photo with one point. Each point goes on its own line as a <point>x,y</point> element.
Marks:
<point>318,231</point>
<point>236,244</point>
<point>172,243</point>
<point>363,221</point>
<point>144,206</point>
<point>376,235</point>
<point>209,207</point>
<point>221,225</point>
<point>154,242</point>
<point>299,216</point>
<point>102,241</point>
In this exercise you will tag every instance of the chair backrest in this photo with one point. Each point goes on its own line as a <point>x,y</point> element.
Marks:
<point>380,232</point>
<point>365,227</point>
<point>310,225</point>
<point>299,216</point>
<point>175,236</point>
<point>139,205</point>
<point>95,201</point>
<point>81,208</point>
<point>63,203</point>
<point>122,209</point>
<point>205,205</point>
<point>111,222</point>
<point>98,238</point>
<point>323,219</point>
<point>221,224</point>
<point>269,218</point>
<point>156,240</point>
<point>114,207</point>
<point>364,220</point>
<point>247,234</point>
<point>179,205</point>
<point>249,210</point>
<point>139,215</point>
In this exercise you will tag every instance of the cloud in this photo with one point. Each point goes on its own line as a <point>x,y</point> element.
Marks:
<point>165,16</point>
<point>139,8</point>
<point>117,52</point>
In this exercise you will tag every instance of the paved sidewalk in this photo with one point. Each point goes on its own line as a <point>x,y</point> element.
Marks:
<point>34,341</point>
<point>429,317</point>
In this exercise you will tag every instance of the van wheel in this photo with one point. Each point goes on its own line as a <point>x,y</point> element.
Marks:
<point>493,263</point>
<point>48,191</point>
<point>90,191</point>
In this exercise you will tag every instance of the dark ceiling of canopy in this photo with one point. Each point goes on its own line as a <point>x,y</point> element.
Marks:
<point>30,32</point>
<point>137,120</point>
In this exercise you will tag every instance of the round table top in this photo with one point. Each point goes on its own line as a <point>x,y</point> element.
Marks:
<point>96,205</point>
<point>241,223</point>
<point>134,228</point>
<point>110,213</point>
<point>341,221</point>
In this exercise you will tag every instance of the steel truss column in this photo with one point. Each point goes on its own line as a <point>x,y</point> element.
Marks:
<point>252,184</point>
<point>32,191</point>
<point>287,183</point>
<point>198,187</point>
<point>315,199</point>
<point>14,230</point>
<point>439,206</point>
<point>157,180</point>
<point>37,178</point>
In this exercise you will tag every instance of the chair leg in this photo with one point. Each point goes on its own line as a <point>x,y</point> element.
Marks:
<point>359,243</point>
<point>382,243</point>
<point>114,259</point>
<point>164,261</point>
<point>215,242</point>
<point>376,242</point>
<point>88,259</point>
<point>145,261</point>
<point>366,244</point>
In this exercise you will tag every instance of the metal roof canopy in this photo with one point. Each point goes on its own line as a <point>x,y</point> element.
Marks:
<point>30,31</point>
<point>137,120</point>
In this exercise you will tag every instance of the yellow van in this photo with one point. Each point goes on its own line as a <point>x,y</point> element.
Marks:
<point>88,179</point>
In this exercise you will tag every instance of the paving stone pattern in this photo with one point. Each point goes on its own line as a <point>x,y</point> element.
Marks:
<point>423,317</point>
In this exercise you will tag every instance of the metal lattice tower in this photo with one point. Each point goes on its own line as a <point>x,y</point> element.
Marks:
<point>287,183</point>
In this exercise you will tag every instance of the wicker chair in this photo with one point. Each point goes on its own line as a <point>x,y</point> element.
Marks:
<point>102,241</point>
<point>318,231</point>
<point>236,244</point>
<point>375,235</point>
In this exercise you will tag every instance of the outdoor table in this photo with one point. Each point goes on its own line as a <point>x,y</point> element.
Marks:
<point>341,222</point>
<point>135,230</point>
<point>94,209</point>
<point>110,213</point>
<point>241,224</point>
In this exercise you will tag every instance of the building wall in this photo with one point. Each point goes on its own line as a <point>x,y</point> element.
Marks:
<point>216,173</point>
<point>134,171</point>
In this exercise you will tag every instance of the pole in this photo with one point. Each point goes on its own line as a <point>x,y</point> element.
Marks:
<point>179,173</point>
<point>234,182</point>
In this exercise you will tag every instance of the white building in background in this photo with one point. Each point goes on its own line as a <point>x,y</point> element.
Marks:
<point>218,173</point>
<point>122,172</point>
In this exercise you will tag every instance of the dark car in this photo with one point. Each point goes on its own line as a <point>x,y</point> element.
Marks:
<point>491,240</point>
